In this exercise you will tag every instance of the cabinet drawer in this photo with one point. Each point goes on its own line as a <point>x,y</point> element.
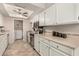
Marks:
<point>53,44</point>
<point>55,52</point>
<point>62,48</point>
<point>44,40</point>
<point>66,49</point>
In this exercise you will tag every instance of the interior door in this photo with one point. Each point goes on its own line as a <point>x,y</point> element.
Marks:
<point>18,27</point>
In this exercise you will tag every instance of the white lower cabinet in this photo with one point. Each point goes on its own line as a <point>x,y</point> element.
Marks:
<point>36,43</point>
<point>62,48</point>
<point>3,44</point>
<point>44,49</point>
<point>1,49</point>
<point>55,52</point>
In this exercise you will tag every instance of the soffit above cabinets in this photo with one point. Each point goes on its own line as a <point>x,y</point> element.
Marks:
<point>15,11</point>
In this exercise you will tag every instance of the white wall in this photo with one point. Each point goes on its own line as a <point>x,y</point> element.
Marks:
<point>26,27</point>
<point>9,25</point>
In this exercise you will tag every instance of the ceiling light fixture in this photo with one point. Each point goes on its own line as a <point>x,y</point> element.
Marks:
<point>19,11</point>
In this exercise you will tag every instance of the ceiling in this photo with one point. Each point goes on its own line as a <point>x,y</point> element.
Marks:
<point>31,8</point>
<point>15,11</point>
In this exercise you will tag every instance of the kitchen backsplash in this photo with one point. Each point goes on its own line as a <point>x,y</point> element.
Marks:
<point>72,29</point>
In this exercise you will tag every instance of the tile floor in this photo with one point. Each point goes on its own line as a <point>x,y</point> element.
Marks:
<point>20,48</point>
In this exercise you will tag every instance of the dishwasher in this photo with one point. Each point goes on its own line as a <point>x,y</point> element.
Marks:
<point>32,39</point>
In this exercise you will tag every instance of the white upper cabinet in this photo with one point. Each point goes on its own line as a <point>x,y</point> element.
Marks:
<point>65,13</point>
<point>35,19</point>
<point>77,12</point>
<point>41,19</point>
<point>59,14</point>
<point>50,16</point>
<point>1,20</point>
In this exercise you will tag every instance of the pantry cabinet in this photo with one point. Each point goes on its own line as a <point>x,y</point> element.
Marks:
<point>50,16</point>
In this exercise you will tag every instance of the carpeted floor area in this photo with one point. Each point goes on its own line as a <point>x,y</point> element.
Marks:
<point>20,48</point>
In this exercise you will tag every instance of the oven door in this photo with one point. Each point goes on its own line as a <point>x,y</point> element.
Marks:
<point>32,40</point>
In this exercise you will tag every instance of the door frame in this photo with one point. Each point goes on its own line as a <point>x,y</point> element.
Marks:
<point>14,29</point>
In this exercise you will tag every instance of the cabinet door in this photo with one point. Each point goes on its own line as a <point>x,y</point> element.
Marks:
<point>2,47</point>
<point>65,13</point>
<point>1,20</point>
<point>77,12</point>
<point>3,44</point>
<point>41,19</point>
<point>50,16</point>
<point>54,52</point>
<point>1,52</point>
<point>35,19</point>
<point>44,49</point>
<point>37,43</point>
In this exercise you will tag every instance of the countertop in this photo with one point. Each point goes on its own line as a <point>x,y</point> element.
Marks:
<point>72,41</point>
<point>3,33</point>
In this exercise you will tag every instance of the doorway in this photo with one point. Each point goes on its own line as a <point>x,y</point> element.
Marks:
<point>18,28</point>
